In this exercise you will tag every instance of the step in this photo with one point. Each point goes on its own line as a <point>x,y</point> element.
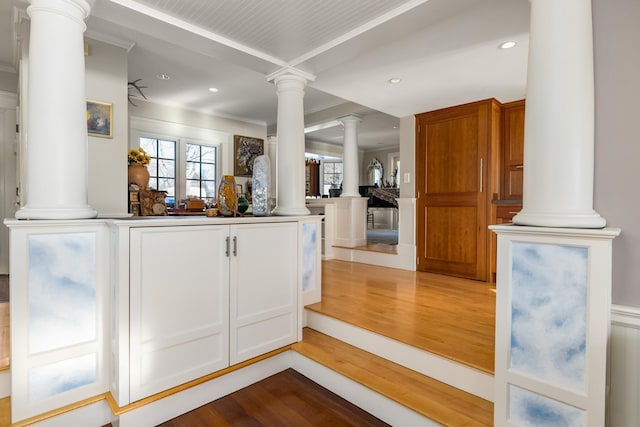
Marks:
<point>443,369</point>
<point>433,399</point>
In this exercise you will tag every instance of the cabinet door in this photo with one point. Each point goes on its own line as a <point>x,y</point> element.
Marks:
<point>513,139</point>
<point>179,306</point>
<point>263,288</point>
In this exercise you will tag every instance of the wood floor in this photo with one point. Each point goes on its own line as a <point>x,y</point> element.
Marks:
<point>285,399</point>
<point>448,316</point>
<point>452,317</point>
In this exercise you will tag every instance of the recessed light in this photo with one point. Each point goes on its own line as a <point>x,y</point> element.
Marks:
<point>394,80</point>
<point>163,76</point>
<point>213,89</point>
<point>507,45</point>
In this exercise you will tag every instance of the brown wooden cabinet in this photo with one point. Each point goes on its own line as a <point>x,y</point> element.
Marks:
<point>513,149</point>
<point>457,172</point>
<point>501,213</point>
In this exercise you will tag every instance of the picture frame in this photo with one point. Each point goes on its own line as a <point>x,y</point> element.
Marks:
<point>245,150</point>
<point>99,119</point>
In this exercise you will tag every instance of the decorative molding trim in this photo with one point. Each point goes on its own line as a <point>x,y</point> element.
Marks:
<point>625,316</point>
<point>106,38</point>
<point>194,29</point>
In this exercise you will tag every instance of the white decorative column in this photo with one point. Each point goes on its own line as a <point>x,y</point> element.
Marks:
<point>553,284</point>
<point>350,168</point>
<point>559,130</point>
<point>56,184</point>
<point>290,152</point>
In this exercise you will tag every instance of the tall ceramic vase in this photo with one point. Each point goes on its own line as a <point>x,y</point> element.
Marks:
<point>139,175</point>
<point>261,189</point>
<point>227,196</point>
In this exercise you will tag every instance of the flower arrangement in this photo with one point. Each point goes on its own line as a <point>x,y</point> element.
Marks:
<point>138,157</point>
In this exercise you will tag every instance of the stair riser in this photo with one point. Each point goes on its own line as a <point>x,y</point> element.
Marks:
<point>449,372</point>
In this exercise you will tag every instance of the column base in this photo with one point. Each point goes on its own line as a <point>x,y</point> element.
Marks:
<point>555,220</point>
<point>350,195</point>
<point>291,211</point>
<point>55,213</point>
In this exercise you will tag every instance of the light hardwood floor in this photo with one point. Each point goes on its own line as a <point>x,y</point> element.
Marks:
<point>448,316</point>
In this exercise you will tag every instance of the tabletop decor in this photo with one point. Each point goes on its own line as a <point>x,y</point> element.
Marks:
<point>137,172</point>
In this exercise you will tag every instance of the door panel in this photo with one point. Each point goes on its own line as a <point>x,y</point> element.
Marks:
<point>452,152</point>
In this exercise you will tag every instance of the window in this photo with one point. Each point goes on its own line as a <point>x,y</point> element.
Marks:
<point>201,171</point>
<point>182,169</point>
<point>331,176</point>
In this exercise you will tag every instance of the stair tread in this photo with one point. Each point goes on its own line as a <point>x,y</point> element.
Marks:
<point>433,399</point>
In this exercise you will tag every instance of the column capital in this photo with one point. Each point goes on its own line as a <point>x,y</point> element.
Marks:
<point>290,73</point>
<point>76,10</point>
<point>352,118</point>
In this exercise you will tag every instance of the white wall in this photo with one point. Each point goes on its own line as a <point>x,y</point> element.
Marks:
<point>617,145</point>
<point>168,120</point>
<point>106,81</point>
<point>408,155</point>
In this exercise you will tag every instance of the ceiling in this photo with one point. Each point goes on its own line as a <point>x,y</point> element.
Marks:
<point>445,51</point>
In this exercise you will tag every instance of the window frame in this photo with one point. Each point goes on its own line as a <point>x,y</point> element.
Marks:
<point>181,157</point>
<point>323,173</point>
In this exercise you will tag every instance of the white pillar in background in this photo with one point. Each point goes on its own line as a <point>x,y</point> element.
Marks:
<point>350,170</point>
<point>56,176</point>
<point>559,121</point>
<point>290,151</point>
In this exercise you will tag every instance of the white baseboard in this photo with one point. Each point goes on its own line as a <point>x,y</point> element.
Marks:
<point>177,404</point>
<point>377,405</point>
<point>5,383</point>
<point>455,374</point>
<point>405,259</point>
<point>624,362</point>
<point>96,414</point>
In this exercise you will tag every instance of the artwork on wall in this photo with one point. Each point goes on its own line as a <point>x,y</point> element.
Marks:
<point>246,149</point>
<point>99,119</point>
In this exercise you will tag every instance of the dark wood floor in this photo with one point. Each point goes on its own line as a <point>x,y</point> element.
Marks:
<point>285,399</point>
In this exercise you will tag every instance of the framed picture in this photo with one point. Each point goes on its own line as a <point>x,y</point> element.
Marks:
<point>246,149</point>
<point>99,119</point>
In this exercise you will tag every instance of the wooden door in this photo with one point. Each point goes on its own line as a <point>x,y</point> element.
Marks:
<point>453,183</point>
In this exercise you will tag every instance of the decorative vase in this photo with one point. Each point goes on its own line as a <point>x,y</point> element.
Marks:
<point>243,204</point>
<point>139,175</point>
<point>261,189</point>
<point>227,196</point>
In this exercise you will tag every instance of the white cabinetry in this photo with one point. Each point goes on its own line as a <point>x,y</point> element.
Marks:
<point>263,292</point>
<point>179,311</point>
<point>208,296</point>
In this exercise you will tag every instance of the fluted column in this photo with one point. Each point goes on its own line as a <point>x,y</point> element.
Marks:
<point>559,121</point>
<point>56,175</point>
<point>350,168</point>
<point>290,152</point>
